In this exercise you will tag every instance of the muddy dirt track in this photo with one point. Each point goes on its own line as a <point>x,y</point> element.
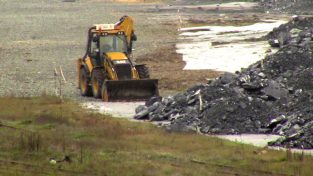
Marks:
<point>39,36</point>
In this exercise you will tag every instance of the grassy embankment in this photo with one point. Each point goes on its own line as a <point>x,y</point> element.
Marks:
<point>33,130</point>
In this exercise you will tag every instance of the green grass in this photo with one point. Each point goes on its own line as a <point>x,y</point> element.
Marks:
<point>36,129</point>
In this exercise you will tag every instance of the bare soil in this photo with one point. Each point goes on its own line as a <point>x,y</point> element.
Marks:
<point>166,65</point>
<point>38,37</point>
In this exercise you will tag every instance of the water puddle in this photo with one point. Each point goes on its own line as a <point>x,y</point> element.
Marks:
<point>259,140</point>
<point>224,48</point>
<point>116,109</point>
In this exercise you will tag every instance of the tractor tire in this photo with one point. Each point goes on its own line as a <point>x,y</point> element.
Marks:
<point>104,92</point>
<point>97,78</point>
<point>143,72</point>
<point>85,89</point>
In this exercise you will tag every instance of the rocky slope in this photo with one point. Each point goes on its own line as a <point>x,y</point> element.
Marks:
<point>274,96</point>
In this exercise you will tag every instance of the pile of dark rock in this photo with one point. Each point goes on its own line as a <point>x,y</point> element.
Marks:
<point>292,32</point>
<point>272,96</point>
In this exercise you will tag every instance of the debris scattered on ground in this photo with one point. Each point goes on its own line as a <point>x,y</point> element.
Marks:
<point>292,32</point>
<point>273,96</point>
<point>303,7</point>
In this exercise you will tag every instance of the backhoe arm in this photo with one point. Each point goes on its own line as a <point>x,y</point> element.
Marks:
<point>126,24</point>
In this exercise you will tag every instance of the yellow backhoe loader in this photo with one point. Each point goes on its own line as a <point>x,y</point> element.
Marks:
<point>106,71</point>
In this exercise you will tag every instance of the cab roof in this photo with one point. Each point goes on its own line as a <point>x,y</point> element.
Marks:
<point>110,28</point>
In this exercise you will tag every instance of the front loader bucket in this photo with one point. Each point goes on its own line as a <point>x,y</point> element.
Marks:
<point>130,90</point>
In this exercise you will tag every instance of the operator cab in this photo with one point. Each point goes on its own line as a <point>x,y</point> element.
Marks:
<point>104,43</point>
<point>105,39</point>
<point>112,43</point>
<point>108,43</point>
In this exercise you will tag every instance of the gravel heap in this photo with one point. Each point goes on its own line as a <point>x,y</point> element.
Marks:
<point>292,32</point>
<point>273,96</point>
<point>303,7</point>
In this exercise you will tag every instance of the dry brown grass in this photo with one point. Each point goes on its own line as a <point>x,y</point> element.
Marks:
<point>36,129</point>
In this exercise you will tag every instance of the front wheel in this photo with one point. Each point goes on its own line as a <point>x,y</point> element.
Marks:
<point>104,92</point>
<point>143,71</point>
<point>97,78</point>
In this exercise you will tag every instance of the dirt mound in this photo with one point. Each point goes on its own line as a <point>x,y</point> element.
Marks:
<point>271,96</point>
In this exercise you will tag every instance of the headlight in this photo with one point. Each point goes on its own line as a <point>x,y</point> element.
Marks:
<point>120,62</point>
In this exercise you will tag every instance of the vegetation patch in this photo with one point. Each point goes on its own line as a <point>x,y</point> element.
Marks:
<point>47,136</point>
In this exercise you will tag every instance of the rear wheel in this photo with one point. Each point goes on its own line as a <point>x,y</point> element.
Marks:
<point>143,71</point>
<point>97,78</point>
<point>84,87</point>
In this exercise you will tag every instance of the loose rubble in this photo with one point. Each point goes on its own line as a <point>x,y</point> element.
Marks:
<point>273,96</point>
<point>294,32</point>
<point>303,7</point>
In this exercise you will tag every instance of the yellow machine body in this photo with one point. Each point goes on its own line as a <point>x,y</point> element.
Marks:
<point>107,70</point>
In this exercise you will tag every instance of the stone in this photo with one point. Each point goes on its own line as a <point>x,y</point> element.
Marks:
<point>274,90</point>
<point>140,108</point>
<point>272,96</point>
<point>180,99</point>
<point>227,78</point>
<point>142,114</point>
<point>152,100</point>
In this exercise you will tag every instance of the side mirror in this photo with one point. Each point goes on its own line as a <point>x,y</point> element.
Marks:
<point>95,39</point>
<point>134,37</point>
